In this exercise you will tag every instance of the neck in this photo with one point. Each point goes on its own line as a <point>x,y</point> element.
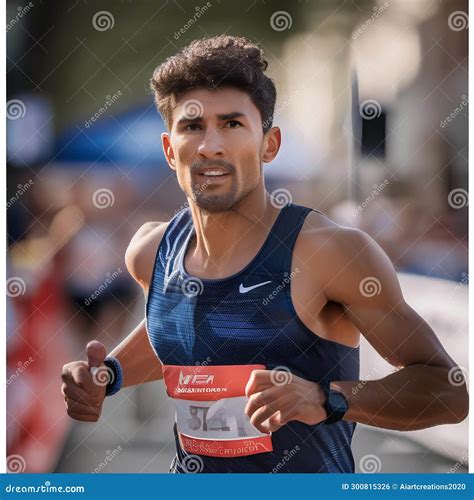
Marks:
<point>224,238</point>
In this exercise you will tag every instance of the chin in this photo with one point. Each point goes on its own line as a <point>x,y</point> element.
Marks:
<point>215,204</point>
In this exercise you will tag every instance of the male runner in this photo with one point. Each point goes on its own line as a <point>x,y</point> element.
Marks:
<point>254,310</point>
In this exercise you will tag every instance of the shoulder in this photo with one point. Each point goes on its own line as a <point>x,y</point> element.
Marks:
<point>320,236</point>
<point>337,256</point>
<point>141,251</point>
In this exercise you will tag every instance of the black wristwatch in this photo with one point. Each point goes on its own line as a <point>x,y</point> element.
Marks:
<point>336,404</point>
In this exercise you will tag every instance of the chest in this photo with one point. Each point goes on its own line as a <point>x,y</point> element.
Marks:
<point>248,319</point>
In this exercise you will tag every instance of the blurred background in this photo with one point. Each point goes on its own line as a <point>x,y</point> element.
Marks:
<point>372,103</point>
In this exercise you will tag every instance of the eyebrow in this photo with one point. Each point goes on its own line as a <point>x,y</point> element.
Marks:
<point>220,117</point>
<point>230,116</point>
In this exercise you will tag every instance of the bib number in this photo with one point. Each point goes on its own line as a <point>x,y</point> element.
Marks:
<point>210,403</point>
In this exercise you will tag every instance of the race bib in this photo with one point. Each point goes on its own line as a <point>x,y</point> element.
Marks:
<point>210,403</point>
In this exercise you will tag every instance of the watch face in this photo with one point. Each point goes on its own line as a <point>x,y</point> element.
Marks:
<point>338,401</point>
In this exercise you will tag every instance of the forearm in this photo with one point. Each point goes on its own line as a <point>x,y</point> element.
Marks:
<point>137,358</point>
<point>412,398</point>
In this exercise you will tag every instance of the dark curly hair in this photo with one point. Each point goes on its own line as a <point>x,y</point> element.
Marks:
<point>211,63</point>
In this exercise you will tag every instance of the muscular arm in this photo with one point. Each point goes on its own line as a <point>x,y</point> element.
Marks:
<point>421,393</point>
<point>359,276</point>
<point>139,361</point>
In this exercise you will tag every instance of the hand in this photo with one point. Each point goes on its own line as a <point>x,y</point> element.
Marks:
<point>276,397</point>
<point>84,384</point>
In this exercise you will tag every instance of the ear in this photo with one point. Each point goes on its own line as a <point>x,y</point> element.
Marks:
<point>168,150</point>
<point>271,144</point>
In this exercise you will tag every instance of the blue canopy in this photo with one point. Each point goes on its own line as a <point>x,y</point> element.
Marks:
<point>131,137</point>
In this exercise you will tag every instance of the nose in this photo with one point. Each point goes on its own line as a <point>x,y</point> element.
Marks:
<point>211,145</point>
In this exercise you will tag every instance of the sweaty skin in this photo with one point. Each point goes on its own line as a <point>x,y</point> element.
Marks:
<point>232,216</point>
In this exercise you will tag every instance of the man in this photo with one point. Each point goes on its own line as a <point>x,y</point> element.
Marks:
<point>254,311</point>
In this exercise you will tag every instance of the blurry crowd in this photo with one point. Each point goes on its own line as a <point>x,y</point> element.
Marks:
<point>415,241</point>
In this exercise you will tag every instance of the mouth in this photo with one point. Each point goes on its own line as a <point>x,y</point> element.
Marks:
<point>213,175</point>
<point>213,172</point>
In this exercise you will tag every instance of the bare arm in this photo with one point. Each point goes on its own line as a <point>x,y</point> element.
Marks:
<point>424,392</point>
<point>421,393</point>
<point>139,361</point>
<point>84,382</point>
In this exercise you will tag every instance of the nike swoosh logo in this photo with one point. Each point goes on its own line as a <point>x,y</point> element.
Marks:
<point>245,289</point>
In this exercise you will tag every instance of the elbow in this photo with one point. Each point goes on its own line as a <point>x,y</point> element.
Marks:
<point>463,405</point>
<point>452,396</point>
<point>458,395</point>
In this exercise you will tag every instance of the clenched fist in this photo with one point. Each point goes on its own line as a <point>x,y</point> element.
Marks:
<point>276,397</point>
<point>84,384</point>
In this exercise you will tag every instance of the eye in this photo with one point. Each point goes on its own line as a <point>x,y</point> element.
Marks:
<point>192,127</point>
<point>233,124</point>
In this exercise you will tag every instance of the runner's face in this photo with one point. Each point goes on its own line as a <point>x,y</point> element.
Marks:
<point>216,145</point>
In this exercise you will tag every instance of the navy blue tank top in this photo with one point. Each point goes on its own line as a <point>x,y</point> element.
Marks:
<point>219,325</point>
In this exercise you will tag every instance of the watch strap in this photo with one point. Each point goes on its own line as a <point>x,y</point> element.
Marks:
<point>117,378</point>
<point>333,414</point>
